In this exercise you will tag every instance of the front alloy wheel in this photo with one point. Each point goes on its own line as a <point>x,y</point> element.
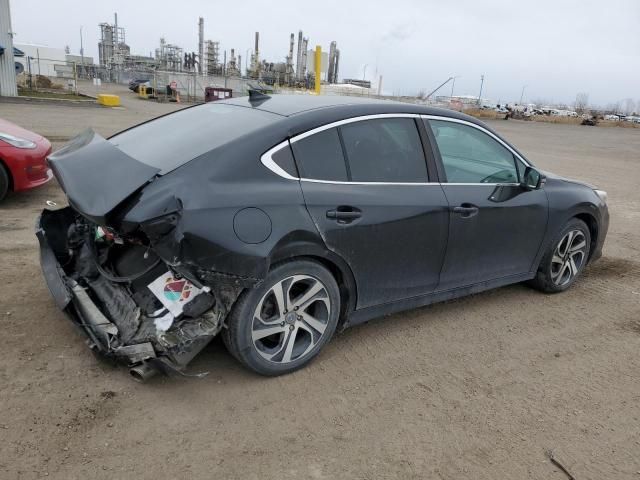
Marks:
<point>564,259</point>
<point>281,325</point>
<point>568,257</point>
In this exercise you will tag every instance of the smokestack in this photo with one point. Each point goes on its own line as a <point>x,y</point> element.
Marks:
<point>299,57</point>
<point>305,43</point>
<point>332,61</point>
<point>256,55</point>
<point>289,69</point>
<point>200,44</point>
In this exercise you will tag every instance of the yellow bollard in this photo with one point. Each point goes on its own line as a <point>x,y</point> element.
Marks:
<point>318,68</point>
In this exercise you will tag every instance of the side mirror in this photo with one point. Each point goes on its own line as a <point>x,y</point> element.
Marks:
<point>532,179</point>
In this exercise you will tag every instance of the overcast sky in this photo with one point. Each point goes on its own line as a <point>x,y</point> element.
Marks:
<point>556,48</point>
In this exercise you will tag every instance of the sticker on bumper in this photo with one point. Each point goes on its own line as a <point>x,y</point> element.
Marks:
<point>173,293</point>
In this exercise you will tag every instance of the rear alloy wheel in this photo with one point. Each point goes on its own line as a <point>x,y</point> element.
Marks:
<point>566,259</point>
<point>281,325</point>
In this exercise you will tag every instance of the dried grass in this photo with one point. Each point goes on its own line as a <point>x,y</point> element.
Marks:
<point>482,113</point>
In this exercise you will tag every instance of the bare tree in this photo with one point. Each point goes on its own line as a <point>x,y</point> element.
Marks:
<point>613,108</point>
<point>629,106</point>
<point>582,102</point>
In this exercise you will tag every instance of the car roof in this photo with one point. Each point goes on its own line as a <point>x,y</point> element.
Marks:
<point>291,104</point>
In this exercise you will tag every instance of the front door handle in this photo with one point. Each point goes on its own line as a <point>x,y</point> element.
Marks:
<point>344,214</point>
<point>466,210</point>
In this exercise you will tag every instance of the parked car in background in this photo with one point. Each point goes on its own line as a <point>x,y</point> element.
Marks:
<point>274,221</point>
<point>23,159</point>
<point>134,85</point>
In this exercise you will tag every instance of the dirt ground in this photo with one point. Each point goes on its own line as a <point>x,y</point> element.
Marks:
<point>477,388</point>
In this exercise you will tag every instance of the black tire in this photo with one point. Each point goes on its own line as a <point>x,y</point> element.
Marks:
<point>549,277</point>
<point>5,182</point>
<point>297,278</point>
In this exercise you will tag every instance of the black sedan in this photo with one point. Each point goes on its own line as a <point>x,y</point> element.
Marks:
<point>134,85</point>
<point>274,221</point>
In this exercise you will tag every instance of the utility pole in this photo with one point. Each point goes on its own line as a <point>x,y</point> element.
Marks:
<point>81,49</point>
<point>453,85</point>
<point>522,94</point>
<point>481,84</point>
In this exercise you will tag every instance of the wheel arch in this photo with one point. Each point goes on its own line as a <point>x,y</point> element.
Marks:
<point>592,223</point>
<point>338,267</point>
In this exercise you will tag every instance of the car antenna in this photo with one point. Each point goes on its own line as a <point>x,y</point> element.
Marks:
<point>257,94</point>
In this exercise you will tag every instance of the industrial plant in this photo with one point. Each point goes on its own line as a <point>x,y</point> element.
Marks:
<point>296,70</point>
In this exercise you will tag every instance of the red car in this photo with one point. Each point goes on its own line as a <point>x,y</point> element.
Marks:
<point>23,159</point>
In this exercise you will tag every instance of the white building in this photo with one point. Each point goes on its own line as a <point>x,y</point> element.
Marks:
<point>42,58</point>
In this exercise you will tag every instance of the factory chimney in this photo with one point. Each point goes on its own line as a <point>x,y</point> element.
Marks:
<point>305,43</point>
<point>331,67</point>
<point>299,57</point>
<point>200,44</point>
<point>256,55</point>
<point>289,70</point>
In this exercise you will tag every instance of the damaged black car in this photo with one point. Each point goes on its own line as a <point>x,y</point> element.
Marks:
<point>274,221</point>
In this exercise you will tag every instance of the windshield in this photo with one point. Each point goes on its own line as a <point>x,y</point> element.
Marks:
<point>173,140</point>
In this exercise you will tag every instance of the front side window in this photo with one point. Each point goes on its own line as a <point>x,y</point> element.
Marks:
<point>384,150</point>
<point>471,156</point>
<point>320,157</point>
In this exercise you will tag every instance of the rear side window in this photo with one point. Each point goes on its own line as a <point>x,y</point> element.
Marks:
<point>319,156</point>
<point>384,150</point>
<point>284,159</point>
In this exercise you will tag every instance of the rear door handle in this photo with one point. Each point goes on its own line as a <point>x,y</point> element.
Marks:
<point>344,214</point>
<point>466,210</point>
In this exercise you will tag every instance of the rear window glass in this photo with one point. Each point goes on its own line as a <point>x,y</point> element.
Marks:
<point>172,140</point>
<point>320,156</point>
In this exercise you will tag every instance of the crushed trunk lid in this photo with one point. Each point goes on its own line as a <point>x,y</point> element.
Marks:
<point>96,175</point>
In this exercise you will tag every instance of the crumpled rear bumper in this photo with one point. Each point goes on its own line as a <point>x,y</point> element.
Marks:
<point>74,301</point>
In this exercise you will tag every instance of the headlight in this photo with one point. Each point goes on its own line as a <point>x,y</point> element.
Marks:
<point>17,141</point>
<point>602,194</point>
